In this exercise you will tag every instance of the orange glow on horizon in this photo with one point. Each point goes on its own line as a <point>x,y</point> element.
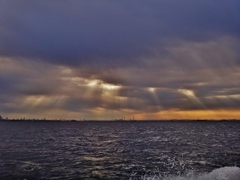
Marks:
<point>191,114</point>
<point>105,114</point>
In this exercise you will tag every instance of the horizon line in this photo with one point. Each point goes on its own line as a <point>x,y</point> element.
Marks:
<point>115,120</point>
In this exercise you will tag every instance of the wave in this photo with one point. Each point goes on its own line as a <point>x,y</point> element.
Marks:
<point>225,173</point>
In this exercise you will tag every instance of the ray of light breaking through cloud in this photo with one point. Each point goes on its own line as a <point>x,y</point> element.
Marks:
<point>114,59</point>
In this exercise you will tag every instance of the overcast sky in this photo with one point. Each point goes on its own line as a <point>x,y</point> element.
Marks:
<point>107,59</point>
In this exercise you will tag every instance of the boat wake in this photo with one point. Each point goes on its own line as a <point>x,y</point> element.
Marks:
<point>225,173</point>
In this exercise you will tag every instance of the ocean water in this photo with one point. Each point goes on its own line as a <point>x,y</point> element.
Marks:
<point>120,150</point>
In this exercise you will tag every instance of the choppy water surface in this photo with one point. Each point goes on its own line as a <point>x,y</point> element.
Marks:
<point>118,150</point>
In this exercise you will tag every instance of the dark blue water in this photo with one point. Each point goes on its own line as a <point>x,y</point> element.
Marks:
<point>119,150</point>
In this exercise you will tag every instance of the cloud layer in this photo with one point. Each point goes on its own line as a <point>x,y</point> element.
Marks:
<point>108,59</point>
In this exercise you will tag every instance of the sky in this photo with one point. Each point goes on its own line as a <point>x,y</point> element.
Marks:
<point>108,59</point>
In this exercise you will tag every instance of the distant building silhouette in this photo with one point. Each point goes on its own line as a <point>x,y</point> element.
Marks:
<point>0,117</point>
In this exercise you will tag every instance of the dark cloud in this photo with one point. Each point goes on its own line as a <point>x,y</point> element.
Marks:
<point>103,57</point>
<point>108,33</point>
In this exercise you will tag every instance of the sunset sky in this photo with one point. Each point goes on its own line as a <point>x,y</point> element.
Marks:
<point>109,59</point>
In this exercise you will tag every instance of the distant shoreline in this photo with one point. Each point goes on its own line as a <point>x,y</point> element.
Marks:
<point>163,120</point>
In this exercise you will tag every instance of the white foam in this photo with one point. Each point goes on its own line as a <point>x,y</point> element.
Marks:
<point>225,173</point>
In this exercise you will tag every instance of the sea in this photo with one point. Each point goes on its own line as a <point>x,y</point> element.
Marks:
<point>131,150</point>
